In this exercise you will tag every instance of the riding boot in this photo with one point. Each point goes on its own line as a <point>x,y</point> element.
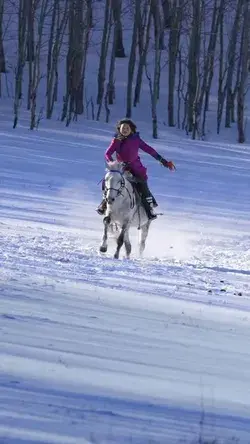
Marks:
<point>149,207</point>
<point>155,204</point>
<point>102,207</point>
<point>147,199</point>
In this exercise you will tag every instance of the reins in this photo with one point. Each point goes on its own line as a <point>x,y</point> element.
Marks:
<point>123,186</point>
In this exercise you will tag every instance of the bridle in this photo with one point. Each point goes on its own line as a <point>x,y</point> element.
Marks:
<point>119,190</point>
<point>122,187</point>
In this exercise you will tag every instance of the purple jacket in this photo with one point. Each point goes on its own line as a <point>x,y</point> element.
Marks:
<point>127,150</point>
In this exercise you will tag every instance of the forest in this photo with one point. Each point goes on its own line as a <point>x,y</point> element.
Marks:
<point>198,49</point>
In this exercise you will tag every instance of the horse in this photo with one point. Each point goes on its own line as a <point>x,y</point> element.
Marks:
<point>124,209</point>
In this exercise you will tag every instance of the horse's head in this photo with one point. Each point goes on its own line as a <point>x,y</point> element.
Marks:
<point>114,181</point>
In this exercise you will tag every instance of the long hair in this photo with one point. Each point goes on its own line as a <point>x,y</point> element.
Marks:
<point>129,122</point>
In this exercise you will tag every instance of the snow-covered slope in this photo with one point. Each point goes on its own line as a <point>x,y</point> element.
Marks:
<point>140,351</point>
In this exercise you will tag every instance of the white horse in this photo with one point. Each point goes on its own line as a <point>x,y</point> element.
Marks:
<point>124,208</point>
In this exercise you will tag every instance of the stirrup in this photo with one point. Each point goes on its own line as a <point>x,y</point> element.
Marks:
<point>152,216</point>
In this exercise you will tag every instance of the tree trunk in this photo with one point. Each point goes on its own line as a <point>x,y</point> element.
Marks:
<point>143,56</point>
<point>119,48</point>
<point>245,56</point>
<point>154,86</point>
<point>59,21</point>
<point>90,12</point>
<point>167,12</point>
<point>193,66</point>
<point>103,55</point>
<point>158,24</point>
<point>36,71</point>
<point>30,52</point>
<point>77,90</point>
<point>22,38</point>
<point>79,25</point>
<point>221,92</point>
<point>31,8</point>
<point>2,56</point>
<point>50,71</point>
<point>110,93</point>
<point>173,48</point>
<point>180,87</point>
<point>131,62</point>
<point>209,63</point>
<point>231,62</point>
<point>141,25</point>
<point>236,88</point>
<point>86,34</point>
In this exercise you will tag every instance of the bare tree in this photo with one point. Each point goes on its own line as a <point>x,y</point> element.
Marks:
<point>193,66</point>
<point>226,67</point>
<point>58,25</point>
<point>231,62</point>
<point>103,56</point>
<point>245,56</point>
<point>221,91</point>
<point>30,52</point>
<point>144,26</point>
<point>119,47</point>
<point>173,49</point>
<point>208,68</point>
<point>104,52</point>
<point>22,39</point>
<point>181,97</point>
<point>31,8</point>
<point>211,56</point>
<point>167,12</point>
<point>154,85</point>
<point>110,93</point>
<point>236,88</point>
<point>158,23</point>
<point>2,55</point>
<point>90,10</point>
<point>36,68</point>
<point>132,60</point>
<point>79,26</point>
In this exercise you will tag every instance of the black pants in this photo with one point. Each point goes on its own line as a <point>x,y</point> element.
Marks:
<point>143,189</point>
<point>146,197</point>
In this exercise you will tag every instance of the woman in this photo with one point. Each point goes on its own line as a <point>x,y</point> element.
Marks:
<point>126,145</point>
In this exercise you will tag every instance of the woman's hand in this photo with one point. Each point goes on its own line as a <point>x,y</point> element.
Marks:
<point>168,164</point>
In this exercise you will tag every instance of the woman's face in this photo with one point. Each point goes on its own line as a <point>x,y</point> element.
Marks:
<point>125,130</point>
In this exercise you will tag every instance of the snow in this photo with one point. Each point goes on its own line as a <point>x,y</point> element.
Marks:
<point>94,350</point>
<point>143,351</point>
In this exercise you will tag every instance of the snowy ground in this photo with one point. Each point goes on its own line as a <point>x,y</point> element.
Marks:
<point>102,351</point>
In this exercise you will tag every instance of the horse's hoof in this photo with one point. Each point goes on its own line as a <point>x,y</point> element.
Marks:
<point>103,249</point>
<point>116,256</point>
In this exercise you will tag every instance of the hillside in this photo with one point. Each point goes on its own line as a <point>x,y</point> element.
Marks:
<point>95,350</point>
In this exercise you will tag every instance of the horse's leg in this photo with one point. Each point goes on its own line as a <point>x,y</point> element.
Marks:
<point>143,237</point>
<point>120,240</point>
<point>127,243</point>
<point>104,245</point>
